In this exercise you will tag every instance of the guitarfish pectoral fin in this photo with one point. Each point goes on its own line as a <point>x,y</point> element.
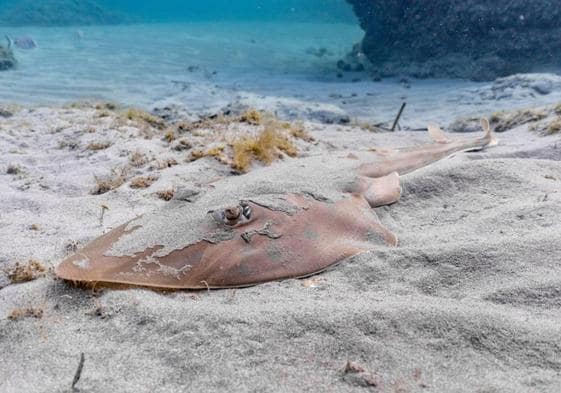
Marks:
<point>380,231</point>
<point>382,190</point>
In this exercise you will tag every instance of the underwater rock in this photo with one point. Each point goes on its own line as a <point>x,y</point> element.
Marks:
<point>56,13</point>
<point>519,87</point>
<point>355,61</point>
<point>7,59</point>
<point>471,124</point>
<point>5,113</point>
<point>475,39</point>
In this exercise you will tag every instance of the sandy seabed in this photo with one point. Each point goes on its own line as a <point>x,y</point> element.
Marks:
<point>470,301</point>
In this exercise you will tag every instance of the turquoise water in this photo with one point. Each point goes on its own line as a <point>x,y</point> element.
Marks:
<point>202,56</point>
<point>141,63</point>
<point>165,45</point>
<point>320,11</point>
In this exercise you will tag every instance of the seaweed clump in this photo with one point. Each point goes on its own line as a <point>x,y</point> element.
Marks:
<point>265,140</point>
<point>28,271</point>
<point>167,194</point>
<point>503,121</point>
<point>140,116</point>
<point>265,147</point>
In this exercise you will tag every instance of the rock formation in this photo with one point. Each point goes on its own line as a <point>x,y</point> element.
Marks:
<point>476,39</point>
<point>7,59</point>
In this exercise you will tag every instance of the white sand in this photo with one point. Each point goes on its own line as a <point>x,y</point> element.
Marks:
<point>470,301</point>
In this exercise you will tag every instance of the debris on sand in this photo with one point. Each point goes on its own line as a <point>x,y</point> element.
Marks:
<point>13,169</point>
<point>355,374</point>
<point>78,373</point>
<point>27,271</point>
<point>182,144</point>
<point>28,312</point>
<point>312,282</point>
<point>164,163</point>
<point>96,146</point>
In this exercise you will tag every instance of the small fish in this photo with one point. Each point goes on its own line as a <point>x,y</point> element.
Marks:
<point>22,42</point>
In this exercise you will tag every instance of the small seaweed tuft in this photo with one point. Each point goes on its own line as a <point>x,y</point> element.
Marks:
<point>182,144</point>
<point>23,272</point>
<point>69,144</point>
<point>143,181</point>
<point>252,116</point>
<point>96,146</point>
<point>102,114</point>
<point>167,194</point>
<point>216,152</point>
<point>169,136</point>
<point>164,163</point>
<point>108,183</point>
<point>299,132</point>
<point>105,106</point>
<point>183,127</point>
<point>140,116</point>
<point>367,126</point>
<point>497,117</point>
<point>138,159</point>
<point>554,126</point>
